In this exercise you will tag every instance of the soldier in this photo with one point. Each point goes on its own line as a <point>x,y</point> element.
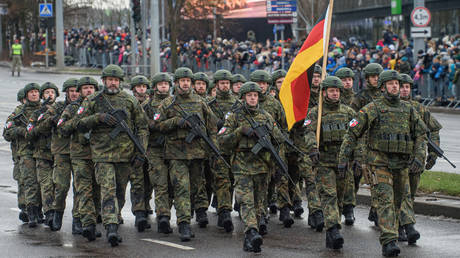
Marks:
<point>396,143</point>
<point>16,158</point>
<point>237,82</point>
<point>222,105</point>
<point>42,149</point>
<point>211,90</point>
<point>349,202</point>
<point>186,158</point>
<point>407,218</point>
<point>139,86</point>
<point>87,189</point>
<point>200,84</point>
<point>16,54</point>
<point>251,171</point>
<point>331,178</point>
<point>114,155</point>
<point>277,81</point>
<point>371,92</point>
<point>158,172</point>
<point>274,108</point>
<point>16,130</point>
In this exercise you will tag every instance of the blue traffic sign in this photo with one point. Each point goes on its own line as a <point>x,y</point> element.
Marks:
<point>284,8</point>
<point>284,2</point>
<point>45,10</point>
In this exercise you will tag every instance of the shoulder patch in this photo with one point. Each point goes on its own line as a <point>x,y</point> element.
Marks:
<point>353,123</point>
<point>156,116</point>
<point>30,127</point>
<point>306,122</point>
<point>8,125</point>
<point>80,110</point>
<point>222,130</point>
<point>60,122</point>
<point>40,117</point>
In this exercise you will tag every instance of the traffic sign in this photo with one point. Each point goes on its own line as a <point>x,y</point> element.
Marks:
<point>45,10</point>
<point>420,16</point>
<point>420,32</point>
<point>283,8</point>
<point>282,14</point>
<point>281,21</point>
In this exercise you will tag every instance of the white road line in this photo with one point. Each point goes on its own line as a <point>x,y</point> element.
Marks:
<point>183,247</point>
<point>15,209</point>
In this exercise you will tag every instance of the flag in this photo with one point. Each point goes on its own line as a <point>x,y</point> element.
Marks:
<point>295,91</point>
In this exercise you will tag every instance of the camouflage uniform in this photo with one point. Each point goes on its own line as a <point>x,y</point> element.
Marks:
<point>396,140</point>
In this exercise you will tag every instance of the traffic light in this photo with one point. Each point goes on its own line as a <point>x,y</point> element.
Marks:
<point>136,8</point>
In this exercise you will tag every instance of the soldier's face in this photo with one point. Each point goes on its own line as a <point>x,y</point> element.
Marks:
<point>163,87</point>
<point>405,90</point>
<point>347,82</point>
<point>263,86</point>
<point>112,84</point>
<point>373,80</point>
<point>332,93</point>
<point>184,84</point>
<point>236,87</point>
<point>251,98</point>
<point>223,85</point>
<point>273,93</point>
<point>392,87</point>
<point>49,93</point>
<point>213,92</point>
<point>72,93</point>
<point>141,89</point>
<point>87,90</point>
<point>33,95</point>
<point>200,87</point>
<point>316,80</point>
<point>279,82</point>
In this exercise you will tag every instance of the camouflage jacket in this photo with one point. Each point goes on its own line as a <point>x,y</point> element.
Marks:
<point>275,109</point>
<point>41,139</point>
<point>364,97</point>
<point>431,123</point>
<point>232,140</point>
<point>346,96</point>
<point>334,124</point>
<point>222,104</point>
<point>103,147</point>
<point>396,134</point>
<point>156,139</point>
<point>170,115</point>
<point>13,142</point>
<point>79,141</point>
<point>314,99</point>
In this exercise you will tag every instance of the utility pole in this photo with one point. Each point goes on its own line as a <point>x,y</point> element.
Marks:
<point>419,43</point>
<point>163,22</point>
<point>155,37</point>
<point>46,44</point>
<point>132,31</point>
<point>59,35</point>
<point>215,23</point>
<point>144,36</point>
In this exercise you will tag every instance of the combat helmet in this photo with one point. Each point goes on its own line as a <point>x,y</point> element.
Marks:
<point>21,95</point>
<point>161,77</point>
<point>372,69</point>
<point>332,82</point>
<point>87,80</point>
<point>260,76</point>
<point>221,75</point>
<point>113,71</point>
<point>250,87</point>
<point>201,77</point>
<point>139,80</point>
<point>29,87</point>
<point>183,72</point>
<point>280,73</point>
<point>238,78</point>
<point>405,78</point>
<point>49,85</point>
<point>388,75</point>
<point>345,72</point>
<point>318,69</point>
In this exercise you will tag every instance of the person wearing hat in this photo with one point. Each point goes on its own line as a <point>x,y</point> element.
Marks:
<point>396,146</point>
<point>16,54</point>
<point>237,82</point>
<point>140,85</point>
<point>346,75</point>
<point>200,84</point>
<point>115,156</point>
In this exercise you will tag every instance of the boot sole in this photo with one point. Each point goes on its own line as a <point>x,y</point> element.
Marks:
<point>256,243</point>
<point>337,244</point>
<point>393,253</point>
<point>87,234</point>
<point>203,224</point>
<point>412,238</point>
<point>349,222</point>
<point>185,238</point>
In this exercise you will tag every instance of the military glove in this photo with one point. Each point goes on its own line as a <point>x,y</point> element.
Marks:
<point>182,123</point>
<point>416,166</point>
<point>431,160</point>
<point>138,161</point>
<point>220,124</point>
<point>248,131</point>
<point>314,156</point>
<point>342,170</point>
<point>357,169</point>
<point>107,119</point>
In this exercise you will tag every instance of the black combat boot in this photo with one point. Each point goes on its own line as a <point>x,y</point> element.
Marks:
<point>263,226</point>
<point>402,237</point>
<point>252,241</point>
<point>273,208</point>
<point>33,216</point>
<point>298,210</point>
<point>225,220</point>
<point>99,219</point>
<point>76,226</point>
<point>312,220</point>
<point>112,235</point>
<point>201,217</point>
<point>140,222</point>
<point>412,234</point>
<point>390,249</point>
<point>373,217</point>
<point>185,231</point>
<point>285,217</point>
<point>41,218</point>
<point>49,218</point>
<point>89,232</point>
<point>349,215</point>
<point>334,239</point>
<point>23,216</point>
<point>163,225</point>
<point>57,221</point>
<point>319,221</point>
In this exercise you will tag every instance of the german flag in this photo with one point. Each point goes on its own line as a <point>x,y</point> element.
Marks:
<point>295,91</point>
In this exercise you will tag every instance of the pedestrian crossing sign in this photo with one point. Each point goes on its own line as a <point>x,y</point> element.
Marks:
<point>46,10</point>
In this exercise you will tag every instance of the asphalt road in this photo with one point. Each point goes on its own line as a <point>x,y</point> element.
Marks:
<point>440,237</point>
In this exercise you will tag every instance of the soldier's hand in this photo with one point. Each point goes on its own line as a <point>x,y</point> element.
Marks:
<point>182,123</point>
<point>152,126</point>
<point>342,170</point>
<point>431,160</point>
<point>416,166</point>
<point>138,161</point>
<point>220,124</point>
<point>314,156</point>
<point>107,119</point>
<point>248,131</point>
<point>357,169</point>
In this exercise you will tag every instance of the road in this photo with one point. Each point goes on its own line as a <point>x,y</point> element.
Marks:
<point>440,237</point>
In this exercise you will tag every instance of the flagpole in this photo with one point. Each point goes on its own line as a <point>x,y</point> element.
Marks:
<point>323,73</point>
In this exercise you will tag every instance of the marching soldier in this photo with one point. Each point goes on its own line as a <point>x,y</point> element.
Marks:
<point>200,84</point>
<point>237,82</point>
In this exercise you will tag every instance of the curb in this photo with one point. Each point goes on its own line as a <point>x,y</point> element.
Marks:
<point>64,72</point>
<point>444,110</point>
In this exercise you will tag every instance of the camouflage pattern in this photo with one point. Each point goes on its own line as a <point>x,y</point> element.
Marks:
<point>388,171</point>
<point>346,96</point>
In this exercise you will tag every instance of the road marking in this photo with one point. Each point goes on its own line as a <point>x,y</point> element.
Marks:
<point>183,247</point>
<point>15,209</point>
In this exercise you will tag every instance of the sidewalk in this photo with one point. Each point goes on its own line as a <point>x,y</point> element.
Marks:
<point>430,205</point>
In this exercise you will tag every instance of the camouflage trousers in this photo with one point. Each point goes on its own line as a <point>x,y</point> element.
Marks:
<point>113,179</point>
<point>45,178</point>
<point>331,192</point>
<point>159,179</point>
<point>288,191</point>
<point>136,179</point>
<point>351,189</point>
<point>210,180</point>
<point>311,188</point>
<point>250,193</point>
<point>187,180</point>
<point>20,181</point>
<point>223,178</point>
<point>407,215</point>
<point>271,191</point>
<point>148,189</point>
<point>28,176</point>
<point>88,191</point>
<point>62,176</point>
<point>389,186</point>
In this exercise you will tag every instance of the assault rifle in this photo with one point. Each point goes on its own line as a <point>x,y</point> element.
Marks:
<point>432,146</point>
